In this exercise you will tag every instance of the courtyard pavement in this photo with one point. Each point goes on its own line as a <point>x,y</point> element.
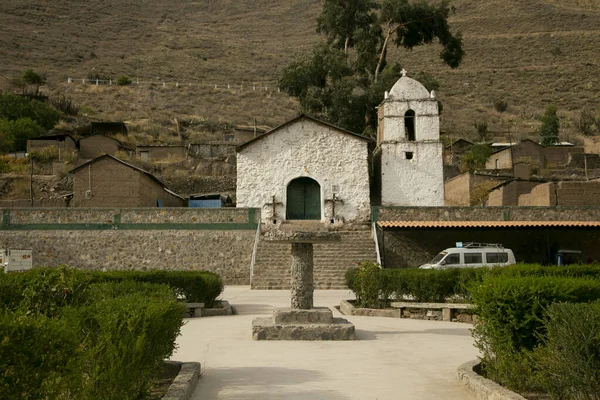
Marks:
<point>392,359</point>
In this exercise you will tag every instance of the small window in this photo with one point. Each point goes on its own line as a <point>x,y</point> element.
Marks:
<point>473,258</point>
<point>452,259</point>
<point>496,258</point>
<point>409,125</point>
<point>409,155</point>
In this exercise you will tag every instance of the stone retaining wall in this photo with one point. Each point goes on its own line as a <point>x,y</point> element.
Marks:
<point>226,252</point>
<point>218,240</point>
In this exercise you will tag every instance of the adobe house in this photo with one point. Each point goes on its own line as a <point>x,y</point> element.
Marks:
<point>564,193</point>
<point>507,193</point>
<point>96,145</point>
<point>242,134</point>
<point>530,152</point>
<point>465,189</point>
<point>305,169</point>
<point>108,128</point>
<point>63,141</point>
<point>213,149</point>
<point>107,181</point>
<point>159,152</point>
<point>455,150</point>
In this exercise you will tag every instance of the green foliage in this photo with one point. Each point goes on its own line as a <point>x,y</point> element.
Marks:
<point>37,357</point>
<point>475,158</point>
<point>367,285</point>
<point>345,79</point>
<point>123,80</point>
<point>64,336</point>
<point>32,78</point>
<point>568,362</point>
<point>15,107</point>
<point>511,311</point>
<point>128,330</point>
<point>550,126</point>
<point>15,133</point>
<point>429,81</point>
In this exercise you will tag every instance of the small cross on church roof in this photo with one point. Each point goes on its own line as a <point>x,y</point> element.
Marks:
<point>403,72</point>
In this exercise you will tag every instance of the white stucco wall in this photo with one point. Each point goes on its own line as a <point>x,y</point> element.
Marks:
<point>305,148</point>
<point>416,182</point>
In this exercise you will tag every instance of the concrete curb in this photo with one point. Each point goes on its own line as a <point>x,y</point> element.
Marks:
<point>225,309</point>
<point>184,383</point>
<point>482,388</point>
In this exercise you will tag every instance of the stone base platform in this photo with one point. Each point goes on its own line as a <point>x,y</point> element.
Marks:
<point>313,324</point>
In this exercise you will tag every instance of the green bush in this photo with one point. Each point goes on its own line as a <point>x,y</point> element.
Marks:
<point>568,362</point>
<point>37,357</point>
<point>128,331</point>
<point>367,285</point>
<point>511,311</point>
<point>104,341</point>
<point>123,80</point>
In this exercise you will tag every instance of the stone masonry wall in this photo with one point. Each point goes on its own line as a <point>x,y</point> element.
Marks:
<point>227,253</point>
<point>541,195</point>
<point>141,238</point>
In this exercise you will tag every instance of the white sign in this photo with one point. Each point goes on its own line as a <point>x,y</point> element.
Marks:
<point>18,260</point>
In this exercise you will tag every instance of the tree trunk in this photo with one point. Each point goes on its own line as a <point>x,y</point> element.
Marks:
<point>346,44</point>
<point>383,51</point>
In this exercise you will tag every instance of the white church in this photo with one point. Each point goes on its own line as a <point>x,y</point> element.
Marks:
<point>307,169</point>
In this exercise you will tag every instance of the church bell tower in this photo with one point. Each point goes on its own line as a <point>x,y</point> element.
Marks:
<point>408,136</point>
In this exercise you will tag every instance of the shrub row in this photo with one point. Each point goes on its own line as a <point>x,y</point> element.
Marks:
<point>373,285</point>
<point>52,288</point>
<point>512,312</point>
<point>101,341</point>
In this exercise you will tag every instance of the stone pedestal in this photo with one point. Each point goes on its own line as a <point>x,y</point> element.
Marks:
<point>302,276</point>
<point>302,321</point>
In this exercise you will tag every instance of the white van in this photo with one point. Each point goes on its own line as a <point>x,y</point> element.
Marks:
<point>470,255</point>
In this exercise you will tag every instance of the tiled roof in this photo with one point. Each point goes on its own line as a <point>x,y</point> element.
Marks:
<point>488,224</point>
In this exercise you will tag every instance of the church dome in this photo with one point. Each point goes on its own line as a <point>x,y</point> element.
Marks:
<point>408,89</point>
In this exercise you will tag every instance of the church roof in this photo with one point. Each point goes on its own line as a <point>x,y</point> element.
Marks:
<point>293,121</point>
<point>408,89</point>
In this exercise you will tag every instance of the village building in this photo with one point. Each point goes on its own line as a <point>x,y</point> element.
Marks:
<point>408,136</point>
<point>107,181</point>
<point>532,153</point>
<point>455,150</point>
<point>305,169</point>
<point>96,145</point>
<point>160,152</point>
<point>108,128</point>
<point>63,142</point>
<point>470,188</point>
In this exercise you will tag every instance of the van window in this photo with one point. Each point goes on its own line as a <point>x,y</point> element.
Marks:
<point>452,259</point>
<point>496,258</point>
<point>473,258</point>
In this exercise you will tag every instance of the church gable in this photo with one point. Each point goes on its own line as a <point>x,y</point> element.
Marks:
<point>294,171</point>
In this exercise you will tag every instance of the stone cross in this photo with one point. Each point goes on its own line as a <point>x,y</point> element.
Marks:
<point>403,72</point>
<point>334,200</point>
<point>274,205</point>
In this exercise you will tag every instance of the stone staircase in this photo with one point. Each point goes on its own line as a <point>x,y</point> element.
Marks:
<point>272,261</point>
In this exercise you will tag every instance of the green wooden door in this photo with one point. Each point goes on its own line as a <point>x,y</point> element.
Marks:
<point>303,199</point>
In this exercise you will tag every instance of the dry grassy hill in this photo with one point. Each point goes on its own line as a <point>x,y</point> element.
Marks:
<point>528,53</point>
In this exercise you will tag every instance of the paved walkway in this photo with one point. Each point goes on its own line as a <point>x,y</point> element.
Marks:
<point>392,359</point>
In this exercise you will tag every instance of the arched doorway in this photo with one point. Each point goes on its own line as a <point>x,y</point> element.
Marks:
<point>303,199</point>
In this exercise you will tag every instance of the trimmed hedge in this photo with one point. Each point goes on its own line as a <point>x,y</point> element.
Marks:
<point>568,362</point>
<point>52,288</point>
<point>511,313</point>
<point>108,342</point>
<point>438,285</point>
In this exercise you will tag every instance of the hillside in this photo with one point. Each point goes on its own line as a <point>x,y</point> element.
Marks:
<point>527,53</point>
